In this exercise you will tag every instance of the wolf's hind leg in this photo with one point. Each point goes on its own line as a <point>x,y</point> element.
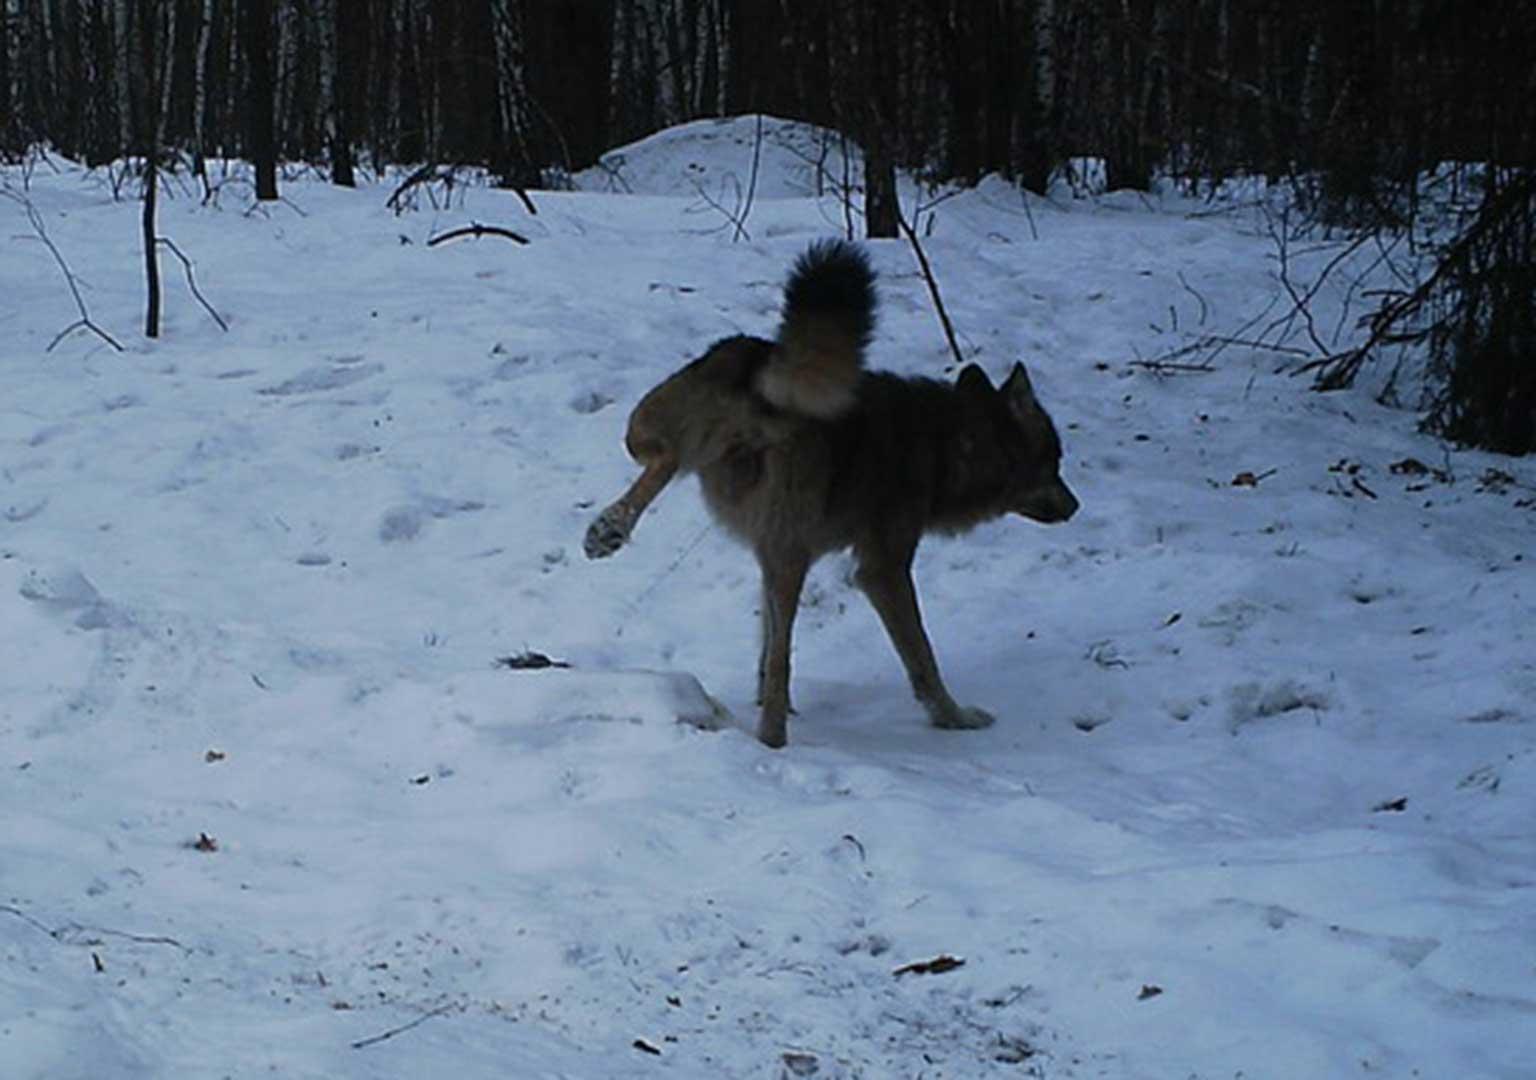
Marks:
<point>611,529</point>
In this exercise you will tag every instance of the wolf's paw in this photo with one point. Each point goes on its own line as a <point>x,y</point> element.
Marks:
<point>965,718</point>
<point>773,732</point>
<point>608,533</point>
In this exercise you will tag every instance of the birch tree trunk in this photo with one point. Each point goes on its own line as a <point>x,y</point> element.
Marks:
<point>200,94</point>
<point>719,40</point>
<point>522,163</point>
<point>42,62</point>
<point>10,133</point>
<point>428,111</point>
<point>236,125</point>
<point>122,37</point>
<point>167,38</point>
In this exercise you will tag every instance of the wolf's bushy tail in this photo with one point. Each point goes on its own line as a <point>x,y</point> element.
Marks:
<point>829,316</point>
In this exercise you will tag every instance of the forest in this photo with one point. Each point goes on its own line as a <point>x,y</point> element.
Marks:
<point>1414,118</point>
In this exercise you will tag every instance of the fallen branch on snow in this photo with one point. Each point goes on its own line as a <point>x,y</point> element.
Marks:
<point>75,934</point>
<point>477,230</point>
<point>403,1028</point>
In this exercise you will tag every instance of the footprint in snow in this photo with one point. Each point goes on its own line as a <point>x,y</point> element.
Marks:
<point>71,593</point>
<point>401,524</point>
<point>1253,701</point>
<point>405,523</point>
<point>17,514</point>
<point>321,378</point>
<point>590,401</point>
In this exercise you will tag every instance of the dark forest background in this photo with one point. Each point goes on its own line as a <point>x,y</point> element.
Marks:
<point>1355,106</point>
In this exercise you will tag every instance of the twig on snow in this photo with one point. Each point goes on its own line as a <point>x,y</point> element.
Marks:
<point>75,934</point>
<point>403,1028</point>
<point>1166,367</point>
<point>477,230</point>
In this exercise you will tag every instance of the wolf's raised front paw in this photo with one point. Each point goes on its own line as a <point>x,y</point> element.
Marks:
<point>965,718</point>
<point>609,532</point>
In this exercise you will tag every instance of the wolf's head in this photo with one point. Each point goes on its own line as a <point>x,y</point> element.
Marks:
<point>1028,443</point>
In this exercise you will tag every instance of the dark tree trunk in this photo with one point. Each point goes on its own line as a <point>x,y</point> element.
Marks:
<point>1128,158</point>
<point>963,67</point>
<point>573,93</point>
<point>874,110</point>
<point>1033,122</point>
<point>102,142</point>
<point>148,42</point>
<point>349,39</point>
<point>882,212</point>
<point>10,135</point>
<point>256,35</point>
<point>151,250</point>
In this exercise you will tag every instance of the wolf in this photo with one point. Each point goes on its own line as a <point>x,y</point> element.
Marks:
<point>801,451</point>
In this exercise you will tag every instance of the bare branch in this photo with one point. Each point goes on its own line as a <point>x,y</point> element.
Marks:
<point>69,278</point>
<point>75,934</point>
<point>933,288</point>
<point>441,1010</point>
<point>1338,372</point>
<point>1300,303</point>
<point>1169,367</point>
<point>192,282</point>
<point>737,218</point>
<point>477,230</point>
<point>1204,307</point>
<point>426,174</point>
<point>757,153</point>
<point>448,176</point>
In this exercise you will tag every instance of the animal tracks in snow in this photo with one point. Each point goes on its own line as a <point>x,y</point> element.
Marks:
<point>337,375</point>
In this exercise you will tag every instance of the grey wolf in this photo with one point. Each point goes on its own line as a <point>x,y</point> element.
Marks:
<point>801,451</point>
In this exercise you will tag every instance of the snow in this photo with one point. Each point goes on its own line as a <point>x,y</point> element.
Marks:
<point>1258,801</point>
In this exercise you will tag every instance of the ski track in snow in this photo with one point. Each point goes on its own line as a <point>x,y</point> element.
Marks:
<point>1258,801</point>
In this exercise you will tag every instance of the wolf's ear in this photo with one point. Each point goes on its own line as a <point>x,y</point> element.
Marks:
<point>973,379</point>
<point>1017,386</point>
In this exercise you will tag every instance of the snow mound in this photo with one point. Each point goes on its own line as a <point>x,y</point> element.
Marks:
<point>714,158</point>
<point>555,696</point>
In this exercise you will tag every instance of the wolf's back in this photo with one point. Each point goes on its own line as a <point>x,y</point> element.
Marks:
<point>829,315</point>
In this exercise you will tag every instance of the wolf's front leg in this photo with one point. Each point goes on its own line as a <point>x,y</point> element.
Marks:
<point>609,531</point>
<point>889,588</point>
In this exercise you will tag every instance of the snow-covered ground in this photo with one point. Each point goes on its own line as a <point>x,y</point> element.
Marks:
<point>1259,801</point>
